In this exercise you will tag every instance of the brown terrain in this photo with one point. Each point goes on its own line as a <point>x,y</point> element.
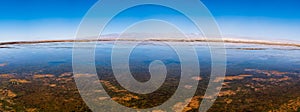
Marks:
<point>47,92</point>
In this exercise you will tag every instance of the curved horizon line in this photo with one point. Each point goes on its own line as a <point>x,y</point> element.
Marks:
<point>242,41</point>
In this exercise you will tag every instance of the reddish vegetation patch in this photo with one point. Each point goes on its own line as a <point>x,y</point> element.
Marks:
<point>188,86</point>
<point>193,104</point>
<point>11,94</point>
<point>111,87</point>
<point>230,78</point>
<point>103,98</point>
<point>7,76</point>
<point>43,76</point>
<point>52,85</point>
<point>3,64</point>
<point>228,101</point>
<point>285,78</point>
<point>290,106</point>
<point>227,93</point>
<point>84,75</point>
<point>269,73</point>
<point>239,77</point>
<point>158,111</point>
<point>66,75</point>
<point>197,78</point>
<point>226,84</point>
<point>31,110</point>
<point>19,81</point>
<point>7,93</point>
<point>126,97</point>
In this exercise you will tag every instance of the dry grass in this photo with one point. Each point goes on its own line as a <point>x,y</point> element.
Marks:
<point>158,111</point>
<point>230,78</point>
<point>269,73</point>
<point>52,85</point>
<point>22,81</point>
<point>290,106</point>
<point>285,78</point>
<point>126,97</point>
<point>43,76</point>
<point>239,77</point>
<point>66,75</point>
<point>227,93</point>
<point>193,104</point>
<point>111,87</point>
<point>7,76</point>
<point>31,110</point>
<point>11,94</point>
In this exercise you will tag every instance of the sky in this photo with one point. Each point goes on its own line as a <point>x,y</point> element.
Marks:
<point>59,19</point>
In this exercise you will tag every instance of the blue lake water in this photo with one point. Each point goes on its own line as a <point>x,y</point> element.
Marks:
<point>36,57</point>
<point>51,56</point>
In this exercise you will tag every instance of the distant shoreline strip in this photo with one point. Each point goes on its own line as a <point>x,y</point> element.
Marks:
<point>161,40</point>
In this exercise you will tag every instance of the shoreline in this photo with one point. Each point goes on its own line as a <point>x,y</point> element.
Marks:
<point>160,40</point>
